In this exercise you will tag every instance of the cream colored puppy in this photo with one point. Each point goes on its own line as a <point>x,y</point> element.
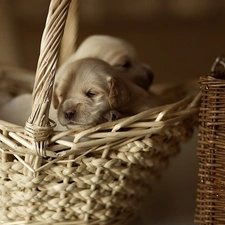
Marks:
<point>119,54</point>
<point>89,91</point>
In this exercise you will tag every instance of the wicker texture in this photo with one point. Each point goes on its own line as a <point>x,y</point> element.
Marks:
<point>97,176</point>
<point>96,179</point>
<point>210,207</point>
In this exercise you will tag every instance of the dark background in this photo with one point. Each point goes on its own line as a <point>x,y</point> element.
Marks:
<point>179,39</point>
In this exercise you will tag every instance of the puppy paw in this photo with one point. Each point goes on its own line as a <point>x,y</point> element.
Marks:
<point>112,115</point>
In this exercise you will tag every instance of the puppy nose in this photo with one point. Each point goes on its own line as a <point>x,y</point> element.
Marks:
<point>69,114</point>
<point>150,74</point>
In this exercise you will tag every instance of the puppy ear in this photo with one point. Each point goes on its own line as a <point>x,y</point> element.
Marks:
<point>62,82</point>
<point>119,93</point>
<point>55,97</point>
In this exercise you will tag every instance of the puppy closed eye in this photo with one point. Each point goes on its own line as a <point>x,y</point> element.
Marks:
<point>124,65</point>
<point>90,94</point>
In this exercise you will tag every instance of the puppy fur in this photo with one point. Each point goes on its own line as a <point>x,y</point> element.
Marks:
<point>88,91</point>
<point>119,54</point>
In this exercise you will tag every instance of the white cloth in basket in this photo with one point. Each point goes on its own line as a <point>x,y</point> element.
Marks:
<point>18,109</point>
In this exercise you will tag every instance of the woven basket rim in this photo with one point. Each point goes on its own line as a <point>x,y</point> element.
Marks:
<point>148,123</point>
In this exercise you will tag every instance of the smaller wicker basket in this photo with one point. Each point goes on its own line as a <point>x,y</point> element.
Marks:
<point>102,175</point>
<point>210,207</point>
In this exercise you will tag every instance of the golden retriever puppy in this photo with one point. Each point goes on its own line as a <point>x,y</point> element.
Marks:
<point>89,91</point>
<point>119,54</point>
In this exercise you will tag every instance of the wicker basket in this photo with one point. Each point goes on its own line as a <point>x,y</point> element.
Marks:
<point>102,175</point>
<point>210,208</point>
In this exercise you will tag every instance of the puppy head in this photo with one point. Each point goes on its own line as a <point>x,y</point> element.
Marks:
<point>119,54</point>
<point>85,91</point>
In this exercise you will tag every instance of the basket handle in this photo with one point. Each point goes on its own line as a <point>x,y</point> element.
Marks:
<point>38,125</point>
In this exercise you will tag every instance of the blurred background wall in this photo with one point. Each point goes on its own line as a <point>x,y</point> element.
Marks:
<point>179,38</point>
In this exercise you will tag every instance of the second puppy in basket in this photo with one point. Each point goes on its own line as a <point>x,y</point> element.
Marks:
<point>120,54</point>
<point>87,91</point>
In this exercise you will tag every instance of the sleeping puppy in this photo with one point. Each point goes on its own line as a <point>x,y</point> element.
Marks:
<point>119,54</point>
<point>89,91</point>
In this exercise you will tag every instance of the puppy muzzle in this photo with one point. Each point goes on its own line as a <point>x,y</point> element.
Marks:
<point>145,76</point>
<point>149,73</point>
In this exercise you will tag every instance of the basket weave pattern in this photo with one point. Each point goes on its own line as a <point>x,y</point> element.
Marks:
<point>99,184</point>
<point>96,176</point>
<point>210,200</point>
<point>84,181</point>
